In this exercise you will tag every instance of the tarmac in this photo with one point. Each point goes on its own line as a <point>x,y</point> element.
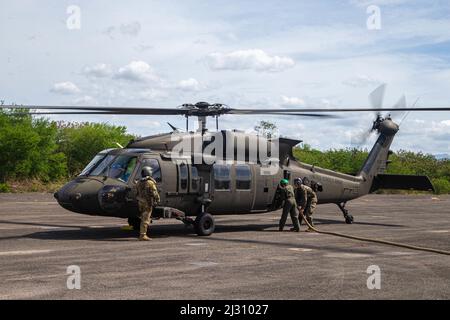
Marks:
<point>246,258</point>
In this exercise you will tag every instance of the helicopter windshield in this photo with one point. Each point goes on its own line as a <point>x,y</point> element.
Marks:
<point>92,164</point>
<point>101,168</point>
<point>95,162</point>
<point>122,167</point>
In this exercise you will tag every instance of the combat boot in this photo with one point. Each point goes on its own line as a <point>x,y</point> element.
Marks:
<point>144,237</point>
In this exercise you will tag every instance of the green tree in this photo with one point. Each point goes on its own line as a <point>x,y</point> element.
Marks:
<point>266,129</point>
<point>80,142</point>
<point>28,147</point>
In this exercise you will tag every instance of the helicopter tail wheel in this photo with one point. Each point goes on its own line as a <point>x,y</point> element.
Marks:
<point>349,219</point>
<point>204,224</point>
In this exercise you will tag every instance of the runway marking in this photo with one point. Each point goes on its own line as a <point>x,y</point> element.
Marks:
<point>196,244</point>
<point>204,264</point>
<point>399,253</point>
<point>347,255</point>
<point>36,277</point>
<point>300,249</point>
<point>33,202</point>
<point>438,231</point>
<point>23,252</point>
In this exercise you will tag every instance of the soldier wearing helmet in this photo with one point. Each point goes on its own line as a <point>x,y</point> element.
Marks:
<point>148,197</point>
<point>289,206</point>
<point>306,200</point>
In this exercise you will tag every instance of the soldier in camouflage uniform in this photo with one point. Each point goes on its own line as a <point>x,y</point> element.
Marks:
<point>306,199</point>
<point>148,197</point>
<point>289,206</point>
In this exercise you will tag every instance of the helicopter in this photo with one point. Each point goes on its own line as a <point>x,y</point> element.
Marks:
<point>221,178</point>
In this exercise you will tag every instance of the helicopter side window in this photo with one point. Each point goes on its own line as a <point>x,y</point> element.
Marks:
<point>183,176</point>
<point>194,179</point>
<point>156,169</point>
<point>222,177</point>
<point>243,177</point>
<point>122,167</point>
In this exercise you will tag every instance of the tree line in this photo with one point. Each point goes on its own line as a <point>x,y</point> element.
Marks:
<point>52,152</point>
<point>49,151</point>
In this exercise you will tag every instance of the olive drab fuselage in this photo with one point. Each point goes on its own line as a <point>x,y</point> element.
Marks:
<point>107,186</point>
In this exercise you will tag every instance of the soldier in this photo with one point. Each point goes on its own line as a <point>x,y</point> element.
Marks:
<point>289,206</point>
<point>306,199</point>
<point>148,197</point>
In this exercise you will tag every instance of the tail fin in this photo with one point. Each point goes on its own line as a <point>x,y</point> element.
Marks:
<point>377,160</point>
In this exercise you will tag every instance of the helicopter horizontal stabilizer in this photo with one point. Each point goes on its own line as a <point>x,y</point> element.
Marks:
<point>402,182</point>
<point>286,146</point>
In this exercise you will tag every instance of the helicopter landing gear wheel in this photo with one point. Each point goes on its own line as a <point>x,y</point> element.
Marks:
<point>348,217</point>
<point>135,222</point>
<point>204,224</point>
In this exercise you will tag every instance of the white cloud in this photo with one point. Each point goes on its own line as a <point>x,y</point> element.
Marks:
<point>366,3</point>
<point>86,100</point>
<point>252,59</point>
<point>153,94</point>
<point>139,71</point>
<point>190,84</point>
<point>100,70</point>
<point>361,81</point>
<point>131,29</point>
<point>65,88</point>
<point>292,101</point>
<point>126,29</point>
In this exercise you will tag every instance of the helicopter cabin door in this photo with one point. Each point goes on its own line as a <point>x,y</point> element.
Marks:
<point>221,188</point>
<point>262,186</point>
<point>243,187</point>
<point>183,186</point>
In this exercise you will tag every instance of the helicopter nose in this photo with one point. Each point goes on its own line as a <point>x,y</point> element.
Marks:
<point>80,195</point>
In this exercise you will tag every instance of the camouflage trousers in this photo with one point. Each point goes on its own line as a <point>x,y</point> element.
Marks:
<point>289,208</point>
<point>309,210</point>
<point>146,218</point>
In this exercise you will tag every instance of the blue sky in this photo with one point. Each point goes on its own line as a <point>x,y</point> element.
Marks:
<point>253,54</point>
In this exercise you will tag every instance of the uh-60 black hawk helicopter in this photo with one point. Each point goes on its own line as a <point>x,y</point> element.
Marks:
<point>220,183</point>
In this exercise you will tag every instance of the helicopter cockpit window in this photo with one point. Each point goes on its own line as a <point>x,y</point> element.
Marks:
<point>92,164</point>
<point>96,161</point>
<point>122,167</point>
<point>243,177</point>
<point>156,169</point>
<point>102,167</point>
<point>221,177</point>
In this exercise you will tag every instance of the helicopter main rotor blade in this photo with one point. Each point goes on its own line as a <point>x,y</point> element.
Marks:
<point>112,110</point>
<point>212,112</point>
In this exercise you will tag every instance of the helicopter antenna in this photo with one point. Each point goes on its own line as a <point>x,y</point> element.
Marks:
<point>172,127</point>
